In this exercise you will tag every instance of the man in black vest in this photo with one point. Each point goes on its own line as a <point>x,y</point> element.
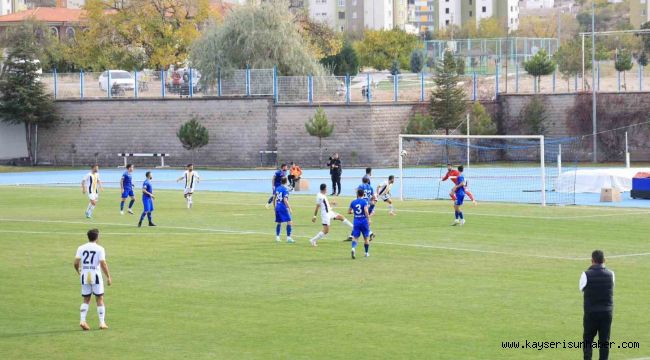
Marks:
<point>335,173</point>
<point>597,284</point>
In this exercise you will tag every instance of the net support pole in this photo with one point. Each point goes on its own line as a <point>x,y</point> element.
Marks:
<point>542,169</point>
<point>401,170</point>
<point>627,153</point>
<point>559,159</point>
<point>468,139</point>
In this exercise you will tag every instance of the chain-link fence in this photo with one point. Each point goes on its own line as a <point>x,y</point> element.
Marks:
<point>494,77</point>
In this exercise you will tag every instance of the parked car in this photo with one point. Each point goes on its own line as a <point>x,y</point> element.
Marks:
<point>119,78</point>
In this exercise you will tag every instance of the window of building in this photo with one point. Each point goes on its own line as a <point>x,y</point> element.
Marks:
<point>69,33</point>
<point>341,3</point>
<point>354,14</point>
<point>470,13</point>
<point>446,22</point>
<point>470,2</point>
<point>484,9</point>
<point>446,10</point>
<point>341,15</point>
<point>54,31</point>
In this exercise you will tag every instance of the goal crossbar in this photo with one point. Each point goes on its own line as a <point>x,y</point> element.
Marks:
<point>539,138</point>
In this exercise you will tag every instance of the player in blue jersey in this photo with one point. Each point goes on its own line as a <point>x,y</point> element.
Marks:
<point>359,208</point>
<point>277,181</point>
<point>126,187</point>
<point>459,190</point>
<point>147,200</point>
<point>282,210</point>
<point>369,196</point>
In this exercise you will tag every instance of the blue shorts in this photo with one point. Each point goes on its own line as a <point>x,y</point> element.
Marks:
<point>126,193</point>
<point>361,229</point>
<point>459,199</point>
<point>282,215</point>
<point>148,204</point>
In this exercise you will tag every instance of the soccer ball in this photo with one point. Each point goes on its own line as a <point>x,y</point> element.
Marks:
<point>404,153</point>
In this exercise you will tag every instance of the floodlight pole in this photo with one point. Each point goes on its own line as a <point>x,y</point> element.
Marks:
<point>593,81</point>
<point>468,140</point>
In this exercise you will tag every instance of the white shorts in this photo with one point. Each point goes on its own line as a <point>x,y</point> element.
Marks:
<point>188,191</point>
<point>385,197</point>
<point>93,196</point>
<point>326,219</point>
<point>95,286</point>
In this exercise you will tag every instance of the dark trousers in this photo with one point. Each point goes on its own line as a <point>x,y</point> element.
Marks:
<point>601,323</point>
<point>292,180</point>
<point>336,184</point>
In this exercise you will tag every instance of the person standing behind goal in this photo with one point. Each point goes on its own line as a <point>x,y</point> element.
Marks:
<point>88,261</point>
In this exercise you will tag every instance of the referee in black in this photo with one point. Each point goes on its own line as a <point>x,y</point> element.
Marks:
<point>597,285</point>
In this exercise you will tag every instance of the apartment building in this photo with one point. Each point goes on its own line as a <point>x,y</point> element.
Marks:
<point>639,12</point>
<point>438,14</point>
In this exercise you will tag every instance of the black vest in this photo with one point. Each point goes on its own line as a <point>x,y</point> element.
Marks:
<point>599,292</point>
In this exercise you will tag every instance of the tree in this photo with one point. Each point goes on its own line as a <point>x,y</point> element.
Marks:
<point>460,66</point>
<point>260,36</point>
<point>642,59</point>
<point>491,28</point>
<point>379,48</point>
<point>345,62</point>
<point>645,38</point>
<point>547,26</point>
<point>419,124</point>
<point>193,136</point>
<point>539,65</point>
<point>23,98</point>
<point>623,63</point>
<point>417,61</point>
<point>569,60</point>
<point>448,99</point>
<point>480,122</point>
<point>394,68</point>
<point>534,116</point>
<point>322,40</point>
<point>319,127</point>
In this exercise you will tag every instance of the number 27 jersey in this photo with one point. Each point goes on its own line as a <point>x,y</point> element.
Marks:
<point>90,254</point>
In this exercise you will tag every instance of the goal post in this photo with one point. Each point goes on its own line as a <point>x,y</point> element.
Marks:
<point>513,164</point>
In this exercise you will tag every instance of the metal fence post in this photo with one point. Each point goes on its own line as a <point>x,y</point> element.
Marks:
<point>219,82</point>
<point>598,72</point>
<point>347,89</point>
<point>395,87</point>
<point>310,89</point>
<point>135,88</point>
<point>191,89</point>
<point>81,84</point>
<point>55,84</point>
<point>275,84</point>
<point>554,74</point>
<point>368,95</point>
<point>575,83</point>
<point>517,77</point>
<point>248,80</point>
<point>474,87</point>
<point>162,83</point>
<point>422,86</point>
<point>640,77</point>
<point>109,88</point>
<point>496,90</point>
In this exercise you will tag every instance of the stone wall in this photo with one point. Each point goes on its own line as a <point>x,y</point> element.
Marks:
<point>96,130</point>
<point>364,134</point>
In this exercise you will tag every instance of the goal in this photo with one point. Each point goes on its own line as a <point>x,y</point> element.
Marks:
<point>499,168</point>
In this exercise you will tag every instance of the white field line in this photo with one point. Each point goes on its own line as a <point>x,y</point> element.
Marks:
<point>239,232</point>
<point>471,213</point>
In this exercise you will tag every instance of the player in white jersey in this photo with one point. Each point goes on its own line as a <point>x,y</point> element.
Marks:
<point>191,178</point>
<point>89,262</point>
<point>91,185</point>
<point>327,214</point>
<point>383,193</point>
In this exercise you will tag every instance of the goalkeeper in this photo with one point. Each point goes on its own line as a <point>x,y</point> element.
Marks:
<point>453,176</point>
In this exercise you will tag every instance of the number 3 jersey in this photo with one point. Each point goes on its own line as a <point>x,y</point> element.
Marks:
<point>90,254</point>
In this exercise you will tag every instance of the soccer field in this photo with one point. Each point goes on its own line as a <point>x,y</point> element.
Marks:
<point>211,282</point>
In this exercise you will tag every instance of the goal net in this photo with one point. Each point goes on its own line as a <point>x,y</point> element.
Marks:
<point>499,168</point>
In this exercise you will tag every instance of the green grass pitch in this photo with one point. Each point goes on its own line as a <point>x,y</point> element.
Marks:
<point>211,283</point>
